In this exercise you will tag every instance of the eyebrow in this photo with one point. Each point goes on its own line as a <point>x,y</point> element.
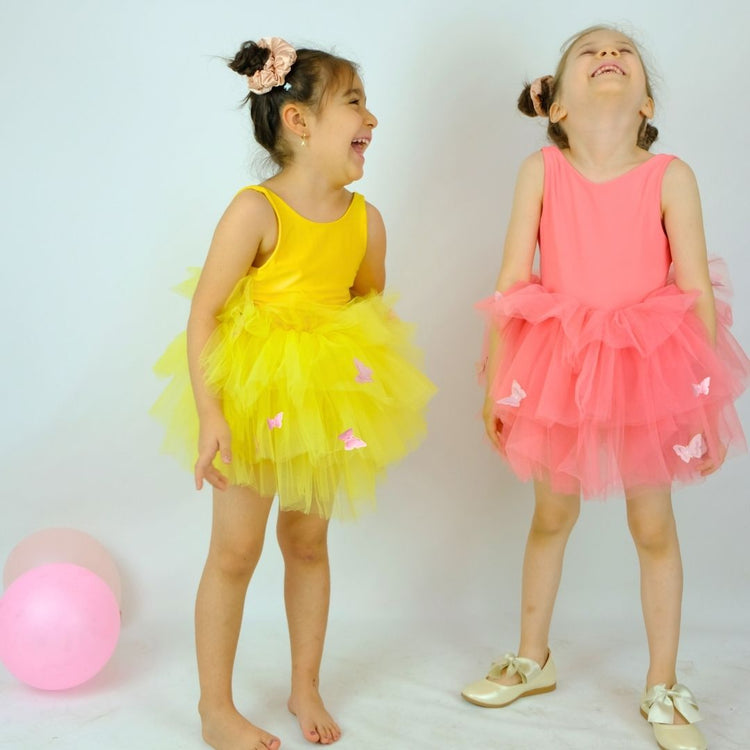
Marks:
<point>353,91</point>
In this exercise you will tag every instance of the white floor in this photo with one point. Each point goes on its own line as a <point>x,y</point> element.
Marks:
<point>389,685</point>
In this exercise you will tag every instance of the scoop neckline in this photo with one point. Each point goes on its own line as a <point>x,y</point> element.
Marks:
<point>612,179</point>
<point>305,218</point>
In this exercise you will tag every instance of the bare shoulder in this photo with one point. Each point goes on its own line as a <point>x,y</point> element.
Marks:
<point>375,229</point>
<point>374,217</point>
<point>679,184</point>
<point>531,174</point>
<point>679,174</point>
<point>251,205</point>
<point>533,163</point>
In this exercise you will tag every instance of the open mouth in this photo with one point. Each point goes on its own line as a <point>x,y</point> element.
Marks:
<point>608,68</point>
<point>360,144</point>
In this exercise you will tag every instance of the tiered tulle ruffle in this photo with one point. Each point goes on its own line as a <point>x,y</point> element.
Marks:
<point>601,401</point>
<point>302,387</point>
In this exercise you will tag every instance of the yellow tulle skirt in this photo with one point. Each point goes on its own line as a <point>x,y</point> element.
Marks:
<point>319,399</point>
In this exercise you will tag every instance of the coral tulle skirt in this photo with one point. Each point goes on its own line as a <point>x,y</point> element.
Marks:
<point>319,399</point>
<point>603,401</point>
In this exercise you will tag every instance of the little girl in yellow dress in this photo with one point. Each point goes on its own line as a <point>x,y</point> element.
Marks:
<point>299,381</point>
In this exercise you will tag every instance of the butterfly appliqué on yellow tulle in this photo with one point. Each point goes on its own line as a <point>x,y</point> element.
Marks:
<point>275,422</point>
<point>351,441</point>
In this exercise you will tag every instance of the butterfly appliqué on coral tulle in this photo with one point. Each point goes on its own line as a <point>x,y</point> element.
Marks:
<point>364,373</point>
<point>275,422</point>
<point>696,448</point>
<point>351,441</point>
<point>701,389</point>
<point>517,394</point>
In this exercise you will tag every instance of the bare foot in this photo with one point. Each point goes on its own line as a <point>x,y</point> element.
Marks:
<point>227,729</point>
<point>316,723</point>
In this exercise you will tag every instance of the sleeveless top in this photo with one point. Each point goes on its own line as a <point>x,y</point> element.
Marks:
<point>603,242</point>
<point>312,262</point>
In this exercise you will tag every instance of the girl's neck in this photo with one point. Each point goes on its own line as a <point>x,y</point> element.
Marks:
<point>604,142</point>
<point>310,194</point>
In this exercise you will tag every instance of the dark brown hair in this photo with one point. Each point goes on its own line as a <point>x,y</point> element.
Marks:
<point>311,77</point>
<point>647,133</point>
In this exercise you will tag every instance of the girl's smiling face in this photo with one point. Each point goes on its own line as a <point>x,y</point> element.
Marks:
<point>601,63</point>
<point>341,132</point>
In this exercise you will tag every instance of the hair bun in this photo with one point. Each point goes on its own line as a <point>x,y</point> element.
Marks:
<point>525,103</point>
<point>535,98</point>
<point>250,59</point>
<point>648,136</point>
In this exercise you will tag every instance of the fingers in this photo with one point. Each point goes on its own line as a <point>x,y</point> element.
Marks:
<point>205,470</point>
<point>493,427</point>
<point>211,475</point>
<point>712,463</point>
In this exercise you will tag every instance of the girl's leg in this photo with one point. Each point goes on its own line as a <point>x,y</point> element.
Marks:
<point>303,540</point>
<point>654,532</point>
<point>554,517</point>
<point>239,522</point>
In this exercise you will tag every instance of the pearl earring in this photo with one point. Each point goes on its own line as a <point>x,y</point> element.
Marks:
<point>302,142</point>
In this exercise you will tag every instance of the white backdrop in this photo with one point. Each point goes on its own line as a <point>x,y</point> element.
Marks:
<point>121,143</point>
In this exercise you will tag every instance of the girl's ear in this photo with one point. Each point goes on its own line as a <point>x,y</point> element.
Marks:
<point>557,112</point>
<point>647,108</point>
<point>293,118</point>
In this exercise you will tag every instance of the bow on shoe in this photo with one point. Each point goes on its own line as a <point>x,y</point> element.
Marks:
<point>661,704</point>
<point>528,669</point>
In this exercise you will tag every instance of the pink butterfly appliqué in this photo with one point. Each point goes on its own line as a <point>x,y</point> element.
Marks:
<point>351,441</point>
<point>701,389</point>
<point>696,448</point>
<point>275,422</point>
<point>364,373</point>
<point>517,394</point>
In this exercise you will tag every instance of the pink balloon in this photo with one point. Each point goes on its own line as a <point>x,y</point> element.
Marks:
<point>62,546</point>
<point>59,625</point>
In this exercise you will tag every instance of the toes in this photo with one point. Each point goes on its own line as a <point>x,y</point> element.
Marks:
<point>311,735</point>
<point>328,736</point>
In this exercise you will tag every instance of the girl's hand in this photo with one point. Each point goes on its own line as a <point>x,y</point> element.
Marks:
<point>711,463</point>
<point>492,423</point>
<point>214,438</point>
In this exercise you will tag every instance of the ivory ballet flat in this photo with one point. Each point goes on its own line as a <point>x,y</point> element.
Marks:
<point>658,706</point>
<point>534,679</point>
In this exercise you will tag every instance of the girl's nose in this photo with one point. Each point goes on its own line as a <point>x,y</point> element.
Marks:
<point>609,51</point>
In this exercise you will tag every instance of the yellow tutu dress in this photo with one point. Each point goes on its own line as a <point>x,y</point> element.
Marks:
<point>321,391</point>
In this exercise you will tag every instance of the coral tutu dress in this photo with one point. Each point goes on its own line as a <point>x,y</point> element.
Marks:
<point>607,380</point>
<point>321,391</point>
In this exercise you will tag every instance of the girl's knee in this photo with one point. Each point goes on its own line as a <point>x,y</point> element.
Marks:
<point>651,520</point>
<point>303,539</point>
<point>236,559</point>
<point>652,532</point>
<point>555,519</point>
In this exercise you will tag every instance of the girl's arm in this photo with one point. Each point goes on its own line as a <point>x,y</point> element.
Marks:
<point>371,273</point>
<point>247,225</point>
<point>518,257</point>
<point>683,223</point>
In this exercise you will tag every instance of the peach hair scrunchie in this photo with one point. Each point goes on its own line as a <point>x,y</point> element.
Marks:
<point>279,63</point>
<point>535,91</point>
